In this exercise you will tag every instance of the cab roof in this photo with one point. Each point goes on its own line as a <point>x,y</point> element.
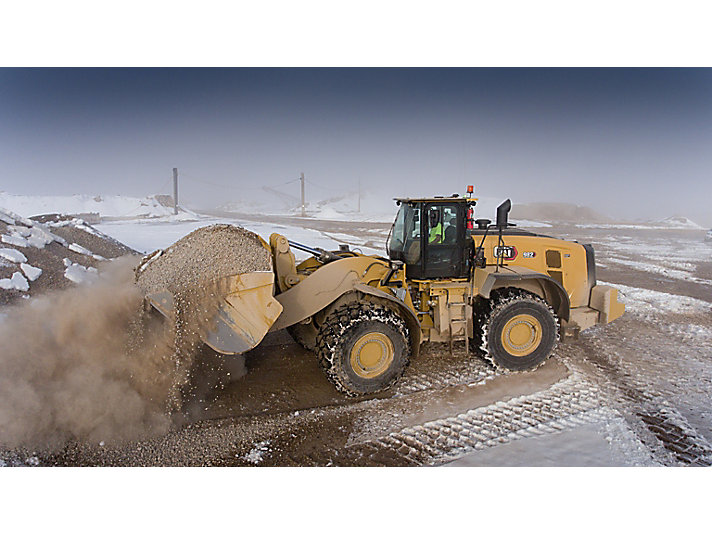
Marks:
<point>453,198</point>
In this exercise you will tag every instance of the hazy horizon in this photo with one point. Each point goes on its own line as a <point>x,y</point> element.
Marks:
<point>629,143</point>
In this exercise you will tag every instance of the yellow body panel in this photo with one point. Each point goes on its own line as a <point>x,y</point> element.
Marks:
<point>531,252</point>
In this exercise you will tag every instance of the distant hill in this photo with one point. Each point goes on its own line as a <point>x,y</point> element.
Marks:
<point>557,212</point>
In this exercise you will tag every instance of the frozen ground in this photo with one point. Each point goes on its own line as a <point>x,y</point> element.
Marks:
<point>636,392</point>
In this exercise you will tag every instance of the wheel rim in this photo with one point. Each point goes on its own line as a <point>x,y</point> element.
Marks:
<point>371,355</point>
<point>521,335</point>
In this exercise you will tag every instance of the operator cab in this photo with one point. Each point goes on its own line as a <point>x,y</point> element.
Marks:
<point>429,235</point>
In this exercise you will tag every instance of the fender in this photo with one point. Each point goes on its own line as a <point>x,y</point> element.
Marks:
<point>408,315</point>
<point>486,280</point>
<point>338,279</point>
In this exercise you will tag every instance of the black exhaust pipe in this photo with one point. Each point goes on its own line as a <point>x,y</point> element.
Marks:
<point>503,214</point>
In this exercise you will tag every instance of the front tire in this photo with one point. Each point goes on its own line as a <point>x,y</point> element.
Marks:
<point>520,333</point>
<point>363,348</point>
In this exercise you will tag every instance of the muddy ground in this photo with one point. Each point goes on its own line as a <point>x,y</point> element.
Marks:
<point>635,392</point>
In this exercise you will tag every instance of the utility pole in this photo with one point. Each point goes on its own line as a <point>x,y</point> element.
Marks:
<point>304,213</point>
<point>359,195</point>
<point>175,191</point>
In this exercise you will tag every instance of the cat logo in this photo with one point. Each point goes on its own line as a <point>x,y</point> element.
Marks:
<point>528,254</point>
<point>507,253</point>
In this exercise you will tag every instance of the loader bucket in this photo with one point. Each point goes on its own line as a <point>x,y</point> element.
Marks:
<point>246,313</point>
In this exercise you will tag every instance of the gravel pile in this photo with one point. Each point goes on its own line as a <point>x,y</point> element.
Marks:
<point>75,230</point>
<point>205,255</point>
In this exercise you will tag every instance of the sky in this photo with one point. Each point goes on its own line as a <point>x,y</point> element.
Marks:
<point>629,143</point>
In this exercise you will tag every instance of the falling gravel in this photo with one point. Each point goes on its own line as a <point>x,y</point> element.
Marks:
<point>189,270</point>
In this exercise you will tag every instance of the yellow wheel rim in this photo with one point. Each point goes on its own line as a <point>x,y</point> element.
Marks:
<point>521,335</point>
<point>371,355</point>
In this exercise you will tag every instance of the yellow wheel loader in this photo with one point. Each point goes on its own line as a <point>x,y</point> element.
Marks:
<point>507,293</point>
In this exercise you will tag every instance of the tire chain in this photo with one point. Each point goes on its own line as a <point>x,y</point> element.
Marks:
<point>499,300</point>
<point>333,328</point>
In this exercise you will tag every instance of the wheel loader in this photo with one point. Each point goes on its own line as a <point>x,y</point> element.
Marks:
<point>508,294</point>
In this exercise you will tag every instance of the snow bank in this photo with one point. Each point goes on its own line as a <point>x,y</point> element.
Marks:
<point>680,222</point>
<point>106,206</point>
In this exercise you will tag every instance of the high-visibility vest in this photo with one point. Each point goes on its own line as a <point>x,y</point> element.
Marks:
<point>435,232</point>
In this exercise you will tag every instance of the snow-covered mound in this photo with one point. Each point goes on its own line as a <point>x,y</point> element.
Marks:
<point>111,206</point>
<point>47,254</point>
<point>679,222</point>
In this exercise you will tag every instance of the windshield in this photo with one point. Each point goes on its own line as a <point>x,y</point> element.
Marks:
<point>404,243</point>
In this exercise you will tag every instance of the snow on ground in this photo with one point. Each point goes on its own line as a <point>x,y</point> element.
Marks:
<point>679,222</point>
<point>321,204</point>
<point>79,274</point>
<point>12,255</point>
<point>15,241</point>
<point>524,223</point>
<point>671,223</point>
<point>17,281</point>
<point>647,301</point>
<point>678,274</point>
<point>666,249</point>
<point>32,273</point>
<point>610,444</point>
<point>75,247</point>
<point>106,206</point>
<point>147,236</point>
<point>256,455</point>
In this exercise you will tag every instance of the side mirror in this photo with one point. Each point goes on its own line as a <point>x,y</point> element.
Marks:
<point>503,213</point>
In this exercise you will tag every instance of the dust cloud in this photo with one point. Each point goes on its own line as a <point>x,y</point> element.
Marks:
<point>92,364</point>
<point>86,364</point>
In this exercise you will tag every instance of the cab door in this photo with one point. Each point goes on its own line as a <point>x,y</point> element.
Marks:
<point>443,239</point>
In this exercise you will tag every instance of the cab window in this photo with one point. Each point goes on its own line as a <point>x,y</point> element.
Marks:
<point>404,243</point>
<point>442,225</point>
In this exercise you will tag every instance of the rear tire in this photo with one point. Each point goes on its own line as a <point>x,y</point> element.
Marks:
<point>363,348</point>
<point>520,332</point>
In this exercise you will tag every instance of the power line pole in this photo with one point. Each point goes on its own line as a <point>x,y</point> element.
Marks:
<point>359,195</point>
<point>175,191</point>
<point>304,213</point>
